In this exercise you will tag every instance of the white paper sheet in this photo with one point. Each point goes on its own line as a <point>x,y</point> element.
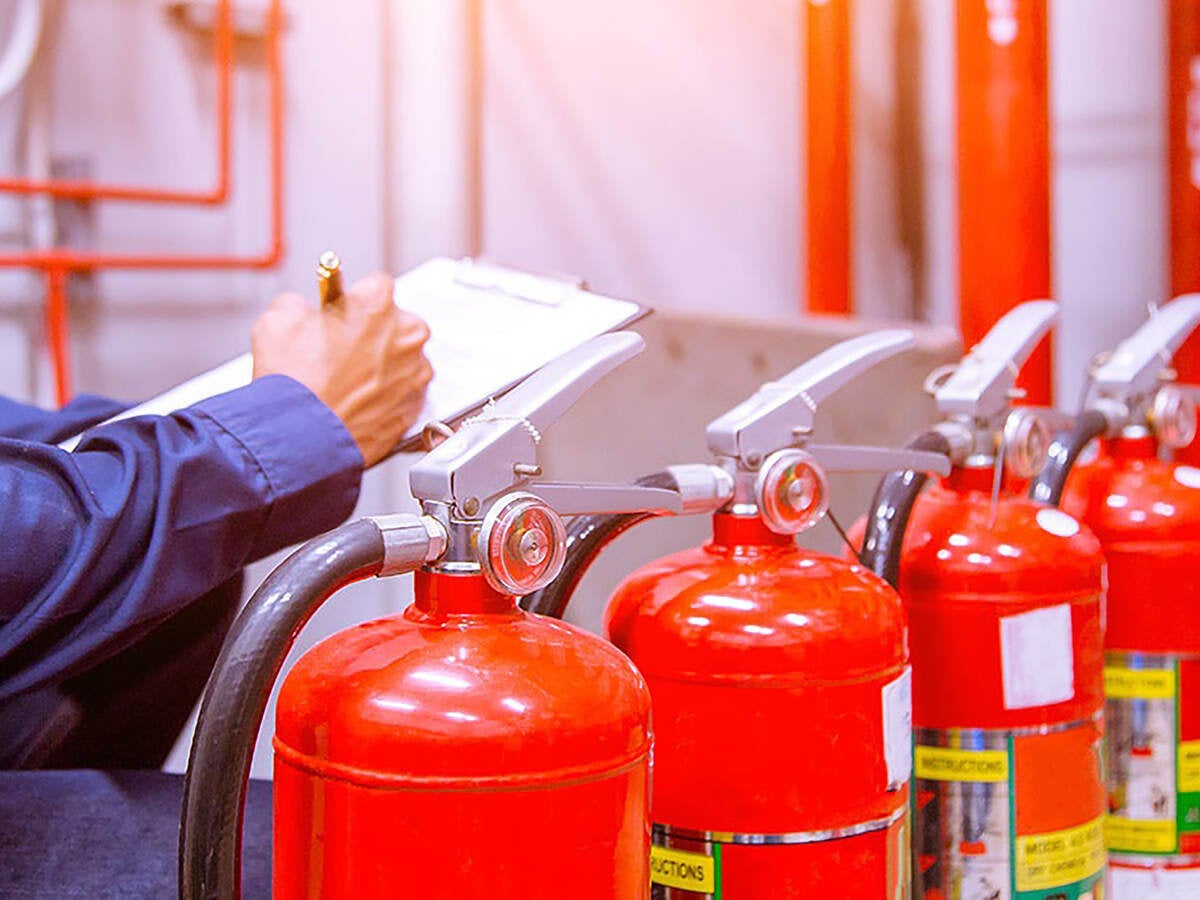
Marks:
<point>489,328</point>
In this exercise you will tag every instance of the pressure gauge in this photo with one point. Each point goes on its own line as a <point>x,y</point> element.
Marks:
<point>792,491</point>
<point>1173,416</point>
<point>522,544</point>
<point>1026,442</point>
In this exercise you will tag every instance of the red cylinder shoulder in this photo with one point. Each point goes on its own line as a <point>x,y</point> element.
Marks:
<point>956,541</point>
<point>499,695</point>
<point>754,611</point>
<point>1132,497</point>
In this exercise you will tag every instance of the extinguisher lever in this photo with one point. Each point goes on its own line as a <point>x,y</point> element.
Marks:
<point>982,386</point>
<point>578,499</point>
<point>839,458</point>
<point>496,450</point>
<point>778,412</point>
<point>1137,365</point>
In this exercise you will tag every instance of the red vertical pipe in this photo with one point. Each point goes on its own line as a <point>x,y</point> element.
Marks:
<point>1004,169</point>
<point>58,332</point>
<point>1183,172</point>
<point>827,85</point>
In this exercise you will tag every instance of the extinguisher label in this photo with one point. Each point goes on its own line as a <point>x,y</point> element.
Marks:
<point>947,764</point>
<point>1037,656</point>
<point>1070,855</point>
<point>897,729</point>
<point>1009,814</point>
<point>1152,708</point>
<point>694,872</point>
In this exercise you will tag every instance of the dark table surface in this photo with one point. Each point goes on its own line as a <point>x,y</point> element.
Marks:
<point>109,834</point>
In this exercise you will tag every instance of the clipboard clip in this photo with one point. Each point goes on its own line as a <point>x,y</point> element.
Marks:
<point>520,284</point>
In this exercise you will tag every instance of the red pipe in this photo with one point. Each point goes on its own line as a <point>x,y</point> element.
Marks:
<point>82,189</point>
<point>57,262</point>
<point>1004,170</point>
<point>58,331</point>
<point>828,84</point>
<point>1183,173</point>
<point>71,260</point>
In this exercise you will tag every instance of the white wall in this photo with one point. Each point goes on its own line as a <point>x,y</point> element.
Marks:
<point>652,147</point>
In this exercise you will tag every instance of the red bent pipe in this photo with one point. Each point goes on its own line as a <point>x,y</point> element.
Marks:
<point>57,263</point>
<point>82,189</point>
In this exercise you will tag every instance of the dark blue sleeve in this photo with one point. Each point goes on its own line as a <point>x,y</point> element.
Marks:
<point>148,514</point>
<point>31,423</point>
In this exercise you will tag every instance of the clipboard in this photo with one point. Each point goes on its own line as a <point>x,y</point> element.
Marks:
<point>490,327</point>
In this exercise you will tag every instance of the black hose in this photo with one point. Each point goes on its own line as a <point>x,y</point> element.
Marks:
<point>891,508</point>
<point>1064,450</point>
<point>586,537</point>
<point>214,791</point>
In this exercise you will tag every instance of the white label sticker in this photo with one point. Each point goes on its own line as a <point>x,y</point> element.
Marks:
<point>1036,656</point>
<point>1154,884</point>
<point>897,728</point>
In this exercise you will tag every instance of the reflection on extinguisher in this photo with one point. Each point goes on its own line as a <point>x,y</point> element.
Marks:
<point>976,805</point>
<point>1139,713</point>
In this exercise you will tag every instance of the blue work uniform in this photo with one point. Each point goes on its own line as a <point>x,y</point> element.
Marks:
<point>101,546</point>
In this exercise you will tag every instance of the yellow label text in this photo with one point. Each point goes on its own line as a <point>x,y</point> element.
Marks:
<point>679,869</point>
<point>948,764</point>
<point>1059,858</point>
<point>1139,684</point>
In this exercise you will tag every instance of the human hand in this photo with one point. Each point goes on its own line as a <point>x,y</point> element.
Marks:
<point>362,356</point>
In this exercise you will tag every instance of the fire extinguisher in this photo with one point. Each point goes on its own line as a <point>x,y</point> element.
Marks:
<point>779,675</point>
<point>1146,512</point>
<point>414,753</point>
<point>1004,599</point>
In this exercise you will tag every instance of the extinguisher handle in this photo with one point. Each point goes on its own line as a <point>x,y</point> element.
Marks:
<point>841,458</point>
<point>1136,366</point>
<point>981,386</point>
<point>772,417</point>
<point>496,450</point>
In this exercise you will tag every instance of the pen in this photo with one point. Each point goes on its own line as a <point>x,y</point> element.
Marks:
<point>329,278</point>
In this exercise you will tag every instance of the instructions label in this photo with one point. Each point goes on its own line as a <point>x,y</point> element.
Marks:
<point>1153,739</point>
<point>947,764</point>
<point>1060,857</point>
<point>1014,817</point>
<point>680,869</point>
<point>1138,684</point>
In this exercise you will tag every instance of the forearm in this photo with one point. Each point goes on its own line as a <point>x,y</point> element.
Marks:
<point>32,423</point>
<point>149,514</point>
